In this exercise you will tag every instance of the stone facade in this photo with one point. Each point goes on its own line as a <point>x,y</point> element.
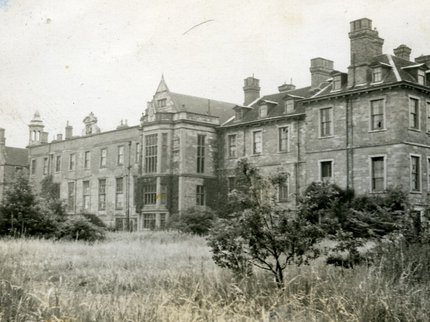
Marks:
<point>366,129</point>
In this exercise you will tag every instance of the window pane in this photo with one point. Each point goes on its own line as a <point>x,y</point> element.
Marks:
<point>378,174</point>
<point>283,139</point>
<point>257,140</point>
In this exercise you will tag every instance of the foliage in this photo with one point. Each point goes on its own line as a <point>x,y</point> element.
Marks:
<point>80,228</point>
<point>94,219</point>
<point>258,231</point>
<point>193,220</point>
<point>21,213</point>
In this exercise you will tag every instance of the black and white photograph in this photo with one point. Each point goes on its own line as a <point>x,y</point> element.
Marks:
<point>203,160</point>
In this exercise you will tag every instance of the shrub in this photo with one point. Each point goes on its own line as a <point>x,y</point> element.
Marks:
<point>194,221</point>
<point>95,220</point>
<point>80,228</point>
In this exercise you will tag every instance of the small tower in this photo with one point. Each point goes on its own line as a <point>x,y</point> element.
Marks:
<point>36,130</point>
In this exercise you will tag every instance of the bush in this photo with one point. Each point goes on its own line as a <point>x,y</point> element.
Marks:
<point>80,228</point>
<point>193,221</point>
<point>95,220</point>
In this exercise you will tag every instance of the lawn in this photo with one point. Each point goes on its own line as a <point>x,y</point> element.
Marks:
<point>161,276</point>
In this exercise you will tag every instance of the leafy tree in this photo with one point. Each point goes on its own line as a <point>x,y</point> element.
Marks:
<point>80,228</point>
<point>21,214</point>
<point>258,231</point>
<point>193,220</point>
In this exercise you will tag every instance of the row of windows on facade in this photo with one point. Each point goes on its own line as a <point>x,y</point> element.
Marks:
<point>150,195</point>
<point>257,142</point>
<point>378,172</point>
<point>148,221</point>
<point>48,163</point>
<point>377,116</point>
<point>282,189</point>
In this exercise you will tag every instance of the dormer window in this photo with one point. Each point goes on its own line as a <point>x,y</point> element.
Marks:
<point>289,107</point>
<point>377,75</point>
<point>162,102</point>
<point>337,83</point>
<point>421,77</point>
<point>263,110</point>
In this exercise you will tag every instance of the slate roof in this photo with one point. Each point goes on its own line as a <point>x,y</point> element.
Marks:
<point>16,156</point>
<point>201,105</point>
<point>275,103</point>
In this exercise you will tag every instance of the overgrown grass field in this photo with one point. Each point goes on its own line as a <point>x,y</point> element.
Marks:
<point>165,276</point>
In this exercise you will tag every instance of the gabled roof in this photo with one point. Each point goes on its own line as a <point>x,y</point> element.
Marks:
<point>276,108</point>
<point>201,105</point>
<point>16,156</point>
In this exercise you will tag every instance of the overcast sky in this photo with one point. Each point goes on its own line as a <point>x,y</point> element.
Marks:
<point>68,58</point>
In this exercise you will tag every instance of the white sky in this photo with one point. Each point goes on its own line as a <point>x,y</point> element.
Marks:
<point>67,58</point>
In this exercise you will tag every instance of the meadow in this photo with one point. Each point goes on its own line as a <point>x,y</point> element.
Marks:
<point>167,276</point>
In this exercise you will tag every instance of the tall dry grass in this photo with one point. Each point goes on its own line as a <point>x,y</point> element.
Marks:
<point>160,276</point>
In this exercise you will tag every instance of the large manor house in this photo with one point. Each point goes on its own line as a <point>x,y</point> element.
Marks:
<point>366,128</point>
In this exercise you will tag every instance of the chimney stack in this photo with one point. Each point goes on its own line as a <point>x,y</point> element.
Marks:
<point>403,52</point>
<point>59,137</point>
<point>44,137</point>
<point>365,44</point>
<point>2,145</point>
<point>286,87</point>
<point>320,71</point>
<point>251,90</point>
<point>69,131</point>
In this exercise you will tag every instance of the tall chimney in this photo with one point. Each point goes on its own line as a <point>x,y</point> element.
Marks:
<point>69,131</point>
<point>320,71</point>
<point>403,52</point>
<point>365,44</point>
<point>59,137</point>
<point>251,90</point>
<point>44,137</point>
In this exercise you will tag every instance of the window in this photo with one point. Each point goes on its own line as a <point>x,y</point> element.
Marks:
<point>232,153</point>
<point>86,195</point>
<point>231,183</point>
<point>289,106</point>
<point>337,82</point>
<point>33,166</point>
<point>326,170</point>
<point>137,157</point>
<point>119,193</point>
<point>428,174</point>
<point>151,148</point>
<point>71,196</point>
<point>163,194</point>
<point>103,157</point>
<point>102,194</point>
<point>148,221</point>
<point>72,161</point>
<point>45,166</point>
<point>283,190</point>
<point>58,163</point>
<point>257,142</point>
<point>377,174</point>
<point>200,195</point>
<point>87,159</point>
<point>428,116</point>
<point>421,77</point>
<point>414,113</point>
<point>263,110</point>
<point>283,139</point>
<point>415,173</point>
<point>238,114</point>
<point>162,102</point>
<point>377,75</point>
<point>201,153</point>
<point>325,122</point>
<point>120,156</point>
<point>150,194</point>
<point>162,221</point>
<point>377,114</point>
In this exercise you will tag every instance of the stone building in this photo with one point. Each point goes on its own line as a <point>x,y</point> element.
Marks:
<point>366,128</point>
<point>96,171</point>
<point>12,161</point>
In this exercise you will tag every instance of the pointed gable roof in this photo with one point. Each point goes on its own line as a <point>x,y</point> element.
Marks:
<point>162,87</point>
